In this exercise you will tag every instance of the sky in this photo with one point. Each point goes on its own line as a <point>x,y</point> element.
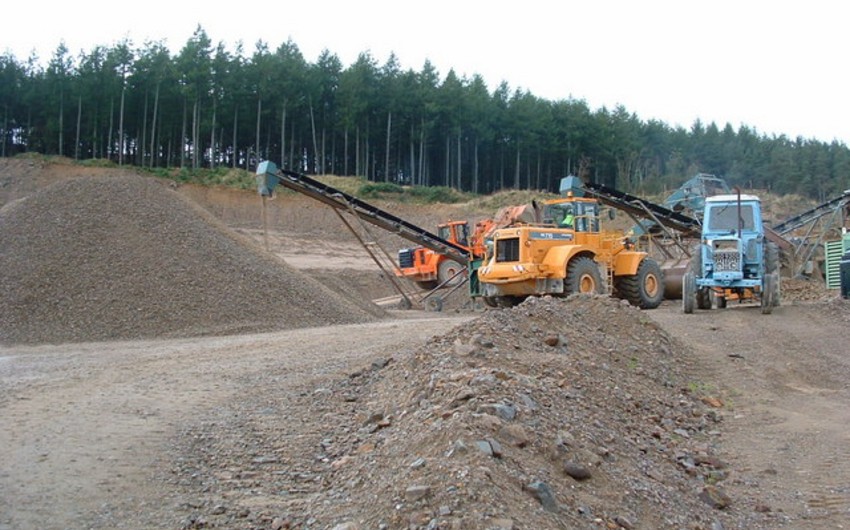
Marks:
<point>777,67</point>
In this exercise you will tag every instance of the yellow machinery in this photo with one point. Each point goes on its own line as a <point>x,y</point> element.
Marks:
<point>563,252</point>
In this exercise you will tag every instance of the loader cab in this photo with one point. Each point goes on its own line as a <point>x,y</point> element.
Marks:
<point>455,232</point>
<point>584,212</point>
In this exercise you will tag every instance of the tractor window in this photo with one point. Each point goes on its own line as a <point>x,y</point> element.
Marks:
<point>444,232</point>
<point>725,217</point>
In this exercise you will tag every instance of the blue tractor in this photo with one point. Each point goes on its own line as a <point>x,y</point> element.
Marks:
<point>733,261</point>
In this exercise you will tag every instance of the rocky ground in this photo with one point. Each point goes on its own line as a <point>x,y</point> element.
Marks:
<point>576,413</point>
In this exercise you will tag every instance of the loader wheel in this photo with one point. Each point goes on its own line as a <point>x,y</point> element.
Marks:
<point>689,290</point>
<point>448,270</point>
<point>721,302</point>
<point>490,301</point>
<point>644,289</point>
<point>583,277</point>
<point>427,285</point>
<point>508,301</point>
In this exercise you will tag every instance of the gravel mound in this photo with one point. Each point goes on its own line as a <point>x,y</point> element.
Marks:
<point>92,259</point>
<point>558,413</point>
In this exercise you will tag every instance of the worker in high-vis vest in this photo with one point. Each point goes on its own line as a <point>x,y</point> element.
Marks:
<point>567,221</point>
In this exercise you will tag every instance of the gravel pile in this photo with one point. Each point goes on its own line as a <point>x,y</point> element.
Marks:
<point>577,413</point>
<point>92,259</point>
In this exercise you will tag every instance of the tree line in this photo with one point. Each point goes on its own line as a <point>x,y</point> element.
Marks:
<point>210,107</point>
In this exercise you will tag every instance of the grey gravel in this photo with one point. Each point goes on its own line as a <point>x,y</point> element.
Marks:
<point>92,259</point>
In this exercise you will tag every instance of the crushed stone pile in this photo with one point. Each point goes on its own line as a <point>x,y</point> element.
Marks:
<point>114,258</point>
<point>558,413</point>
<point>804,290</point>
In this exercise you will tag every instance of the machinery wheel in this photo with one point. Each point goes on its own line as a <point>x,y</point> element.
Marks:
<point>644,289</point>
<point>434,303</point>
<point>448,270</point>
<point>490,301</point>
<point>721,302</point>
<point>771,258</point>
<point>703,298</point>
<point>702,295</point>
<point>776,289</point>
<point>583,277</point>
<point>772,265</point>
<point>768,290</point>
<point>689,290</point>
<point>427,285</point>
<point>508,301</point>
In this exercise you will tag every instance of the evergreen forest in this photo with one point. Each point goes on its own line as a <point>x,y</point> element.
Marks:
<point>208,107</point>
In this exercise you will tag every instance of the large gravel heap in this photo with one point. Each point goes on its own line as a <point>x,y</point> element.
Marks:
<point>93,259</point>
<point>576,413</point>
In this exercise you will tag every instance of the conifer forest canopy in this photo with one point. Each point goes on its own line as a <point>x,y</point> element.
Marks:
<point>210,107</point>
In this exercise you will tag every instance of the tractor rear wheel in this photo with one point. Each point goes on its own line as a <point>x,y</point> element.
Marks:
<point>645,289</point>
<point>583,277</point>
<point>768,291</point>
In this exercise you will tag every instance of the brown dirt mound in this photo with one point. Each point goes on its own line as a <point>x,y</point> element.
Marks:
<point>805,290</point>
<point>91,259</point>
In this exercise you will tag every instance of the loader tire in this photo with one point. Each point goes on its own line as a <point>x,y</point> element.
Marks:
<point>583,277</point>
<point>448,272</point>
<point>645,289</point>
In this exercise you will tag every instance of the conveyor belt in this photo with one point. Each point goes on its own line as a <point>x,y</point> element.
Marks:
<point>643,208</point>
<point>798,221</point>
<point>270,175</point>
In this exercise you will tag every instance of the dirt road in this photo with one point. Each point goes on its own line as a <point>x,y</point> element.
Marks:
<point>89,433</point>
<point>785,382</point>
